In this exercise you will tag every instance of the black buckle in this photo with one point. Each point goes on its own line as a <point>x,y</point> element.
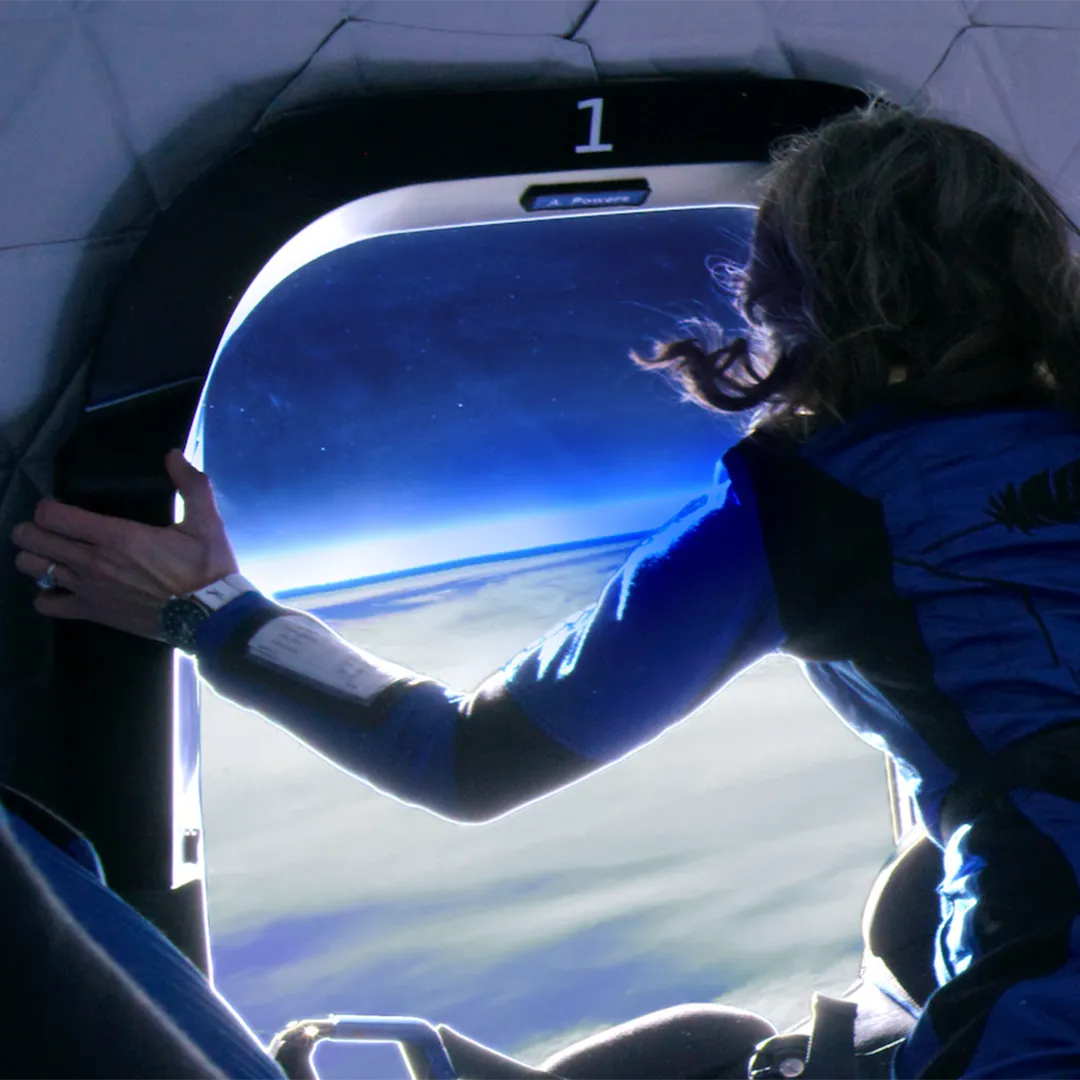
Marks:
<point>779,1056</point>
<point>827,1053</point>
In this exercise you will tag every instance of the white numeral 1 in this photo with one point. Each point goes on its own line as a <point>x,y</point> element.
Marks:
<point>594,145</point>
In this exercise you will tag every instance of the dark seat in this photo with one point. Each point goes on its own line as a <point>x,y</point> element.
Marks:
<point>900,921</point>
<point>902,915</point>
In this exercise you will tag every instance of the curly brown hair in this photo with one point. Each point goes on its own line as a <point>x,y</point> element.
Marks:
<point>894,256</point>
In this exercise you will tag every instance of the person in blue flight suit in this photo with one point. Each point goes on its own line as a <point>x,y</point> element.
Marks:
<point>903,515</point>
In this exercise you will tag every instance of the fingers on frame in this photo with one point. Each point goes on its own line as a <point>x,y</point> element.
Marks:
<point>35,565</point>
<point>84,558</point>
<point>78,524</point>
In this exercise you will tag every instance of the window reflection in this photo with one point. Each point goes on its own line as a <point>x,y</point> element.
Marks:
<point>435,442</point>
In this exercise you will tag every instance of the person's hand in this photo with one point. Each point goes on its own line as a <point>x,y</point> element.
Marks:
<point>119,573</point>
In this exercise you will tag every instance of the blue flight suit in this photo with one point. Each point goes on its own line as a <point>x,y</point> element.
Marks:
<point>925,568</point>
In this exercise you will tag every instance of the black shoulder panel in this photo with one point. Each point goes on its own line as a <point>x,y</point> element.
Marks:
<point>831,561</point>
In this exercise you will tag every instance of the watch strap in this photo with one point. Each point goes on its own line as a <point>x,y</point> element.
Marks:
<point>221,592</point>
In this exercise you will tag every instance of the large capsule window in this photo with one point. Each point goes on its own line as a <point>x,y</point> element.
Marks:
<point>435,441</point>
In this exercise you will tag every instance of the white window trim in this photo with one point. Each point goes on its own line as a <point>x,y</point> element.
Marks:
<point>490,200</point>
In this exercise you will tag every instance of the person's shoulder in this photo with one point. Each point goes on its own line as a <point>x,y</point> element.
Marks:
<point>763,452</point>
<point>892,421</point>
<point>785,468</point>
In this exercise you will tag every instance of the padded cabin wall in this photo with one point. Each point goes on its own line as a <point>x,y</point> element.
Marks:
<point>108,111</point>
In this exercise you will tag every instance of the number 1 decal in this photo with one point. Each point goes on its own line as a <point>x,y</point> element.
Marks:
<point>594,145</point>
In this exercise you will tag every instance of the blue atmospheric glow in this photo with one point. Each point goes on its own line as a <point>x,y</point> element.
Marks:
<point>419,398</point>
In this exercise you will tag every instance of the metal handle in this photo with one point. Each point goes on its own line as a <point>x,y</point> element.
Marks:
<point>421,1047</point>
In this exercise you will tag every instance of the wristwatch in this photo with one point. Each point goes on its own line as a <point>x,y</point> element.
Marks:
<point>182,616</point>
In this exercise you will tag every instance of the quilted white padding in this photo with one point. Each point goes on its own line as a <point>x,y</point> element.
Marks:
<point>964,80</point>
<point>1036,66</point>
<point>1050,14</point>
<point>556,18</point>
<point>190,79</point>
<point>910,16</point>
<point>65,159</point>
<point>108,110</point>
<point>367,57</point>
<point>667,37</point>
<point>58,291</point>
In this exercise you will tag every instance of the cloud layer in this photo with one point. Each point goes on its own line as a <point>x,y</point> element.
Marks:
<point>730,859</point>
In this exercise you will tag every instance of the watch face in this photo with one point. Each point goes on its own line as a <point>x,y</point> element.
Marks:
<point>180,618</point>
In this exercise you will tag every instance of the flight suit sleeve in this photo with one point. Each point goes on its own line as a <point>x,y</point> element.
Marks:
<point>690,608</point>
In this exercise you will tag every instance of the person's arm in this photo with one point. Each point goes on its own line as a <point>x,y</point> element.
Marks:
<point>691,608</point>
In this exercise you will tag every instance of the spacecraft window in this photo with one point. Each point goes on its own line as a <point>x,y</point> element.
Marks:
<point>426,431</point>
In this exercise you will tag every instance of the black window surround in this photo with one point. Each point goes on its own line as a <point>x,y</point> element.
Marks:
<point>114,702</point>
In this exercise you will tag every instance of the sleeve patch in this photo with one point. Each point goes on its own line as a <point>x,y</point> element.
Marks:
<point>304,647</point>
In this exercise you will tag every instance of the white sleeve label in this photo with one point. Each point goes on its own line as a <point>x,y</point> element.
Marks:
<point>303,646</point>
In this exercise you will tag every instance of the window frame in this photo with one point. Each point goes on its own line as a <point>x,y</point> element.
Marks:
<point>168,316</point>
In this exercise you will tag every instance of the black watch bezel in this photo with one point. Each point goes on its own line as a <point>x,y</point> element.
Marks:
<point>179,621</point>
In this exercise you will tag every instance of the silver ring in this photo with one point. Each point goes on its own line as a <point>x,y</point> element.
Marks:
<point>47,581</point>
